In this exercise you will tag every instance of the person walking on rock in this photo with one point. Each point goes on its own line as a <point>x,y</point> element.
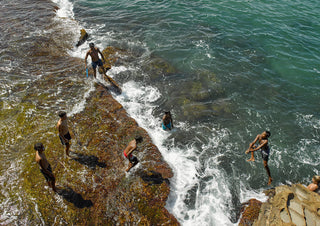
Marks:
<point>132,146</point>
<point>63,129</point>
<point>96,61</point>
<point>45,167</point>
<point>264,148</point>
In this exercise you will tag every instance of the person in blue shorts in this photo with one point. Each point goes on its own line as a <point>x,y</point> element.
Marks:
<point>96,61</point>
<point>167,121</point>
<point>264,148</point>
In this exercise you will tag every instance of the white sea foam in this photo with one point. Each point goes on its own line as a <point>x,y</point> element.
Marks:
<point>65,9</point>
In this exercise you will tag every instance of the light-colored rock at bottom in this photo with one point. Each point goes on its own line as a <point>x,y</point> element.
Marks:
<point>291,205</point>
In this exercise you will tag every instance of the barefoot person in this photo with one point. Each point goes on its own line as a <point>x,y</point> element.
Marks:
<point>314,186</point>
<point>167,121</point>
<point>64,134</point>
<point>45,167</point>
<point>96,61</point>
<point>264,148</point>
<point>132,146</point>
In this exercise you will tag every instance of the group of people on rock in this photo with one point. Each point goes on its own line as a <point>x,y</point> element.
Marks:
<point>65,138</point>
<point>41,159</point>
<point>167,123</point>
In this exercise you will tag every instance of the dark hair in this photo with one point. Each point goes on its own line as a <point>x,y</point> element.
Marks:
<point>268,133</point>
<point>38,146</point>
<point>138,139</point>
<point>91,44</point>
<point>62,113</point>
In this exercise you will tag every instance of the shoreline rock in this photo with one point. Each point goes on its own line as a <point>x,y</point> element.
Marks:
<point>287,205</point>
<point>101,132</point>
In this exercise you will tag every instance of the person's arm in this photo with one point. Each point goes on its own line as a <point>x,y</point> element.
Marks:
<point>41,163</point>
<point>265,142</point>
<point>85,59</point>
<point>101,54</point>
<point>253,142</point>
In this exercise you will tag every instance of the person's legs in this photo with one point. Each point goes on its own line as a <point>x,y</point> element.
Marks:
<point>265,164</point>
<point>94,72</point>
<point>67,148</point>
<point>252,159</point>
<point>52,184</point>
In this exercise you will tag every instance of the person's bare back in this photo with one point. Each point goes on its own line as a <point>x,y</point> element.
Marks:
<point>132,146</point>
<point>45,167</point>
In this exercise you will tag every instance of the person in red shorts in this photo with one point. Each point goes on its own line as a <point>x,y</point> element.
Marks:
<point>132,146</point>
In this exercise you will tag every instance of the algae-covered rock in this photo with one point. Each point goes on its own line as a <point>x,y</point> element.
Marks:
<point>158,66</point>
<point>111,55</point>
<point>83,37</point>
<point>94,187</point>
<point>250,212</point>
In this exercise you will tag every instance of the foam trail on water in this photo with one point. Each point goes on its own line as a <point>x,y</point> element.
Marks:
<point>78,107</point>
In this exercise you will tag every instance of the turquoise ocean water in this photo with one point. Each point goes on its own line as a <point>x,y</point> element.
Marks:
<point>238,68</point>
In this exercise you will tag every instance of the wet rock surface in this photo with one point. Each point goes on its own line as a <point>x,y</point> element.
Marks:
<point>287,205</point>
<point>109,194</point>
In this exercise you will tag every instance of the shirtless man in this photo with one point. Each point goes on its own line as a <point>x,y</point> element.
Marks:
<point>64,134</point>
<point>96,61</point>
<point>45,167</point>
<point>132,146</point>
<point>314,186</point>
<point>264,148</point>
<point>167,121</point>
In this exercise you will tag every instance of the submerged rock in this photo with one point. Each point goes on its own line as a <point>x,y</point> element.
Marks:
<point>83,37</point>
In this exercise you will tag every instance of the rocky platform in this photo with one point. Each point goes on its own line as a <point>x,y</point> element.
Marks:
<point>287,205</point>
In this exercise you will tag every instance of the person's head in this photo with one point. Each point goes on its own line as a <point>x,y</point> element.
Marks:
<point>266,134</point>
<point>91,45</point>
<point>62,114</point>
<point>138,139</point>
<point>316,179</point>
<point>39,147</point>
<point>167,112</point>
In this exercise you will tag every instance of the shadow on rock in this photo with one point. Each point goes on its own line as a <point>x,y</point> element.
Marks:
<point>89,160</point>
<point>75,198</point>
<point>152,177</point>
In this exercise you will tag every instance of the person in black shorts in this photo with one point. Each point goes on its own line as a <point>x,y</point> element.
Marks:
<point>264,148</point>
<point>63,129</point>
<point>132,146</point>
<point>45,167</point>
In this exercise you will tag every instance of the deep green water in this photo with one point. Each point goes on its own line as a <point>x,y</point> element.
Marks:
<point>238,68</point>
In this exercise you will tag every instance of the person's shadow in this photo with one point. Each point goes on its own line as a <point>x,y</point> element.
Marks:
<point>73,197</point>
<point>90,161</point>
<point>152,177</point>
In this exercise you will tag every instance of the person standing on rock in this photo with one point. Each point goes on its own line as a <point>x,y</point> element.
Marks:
<point>132,146</point>
<point>96,61</point>
<point>63,129</point>
<point>167,121</point>
<point>264,148</point>
<point>45,167</point>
